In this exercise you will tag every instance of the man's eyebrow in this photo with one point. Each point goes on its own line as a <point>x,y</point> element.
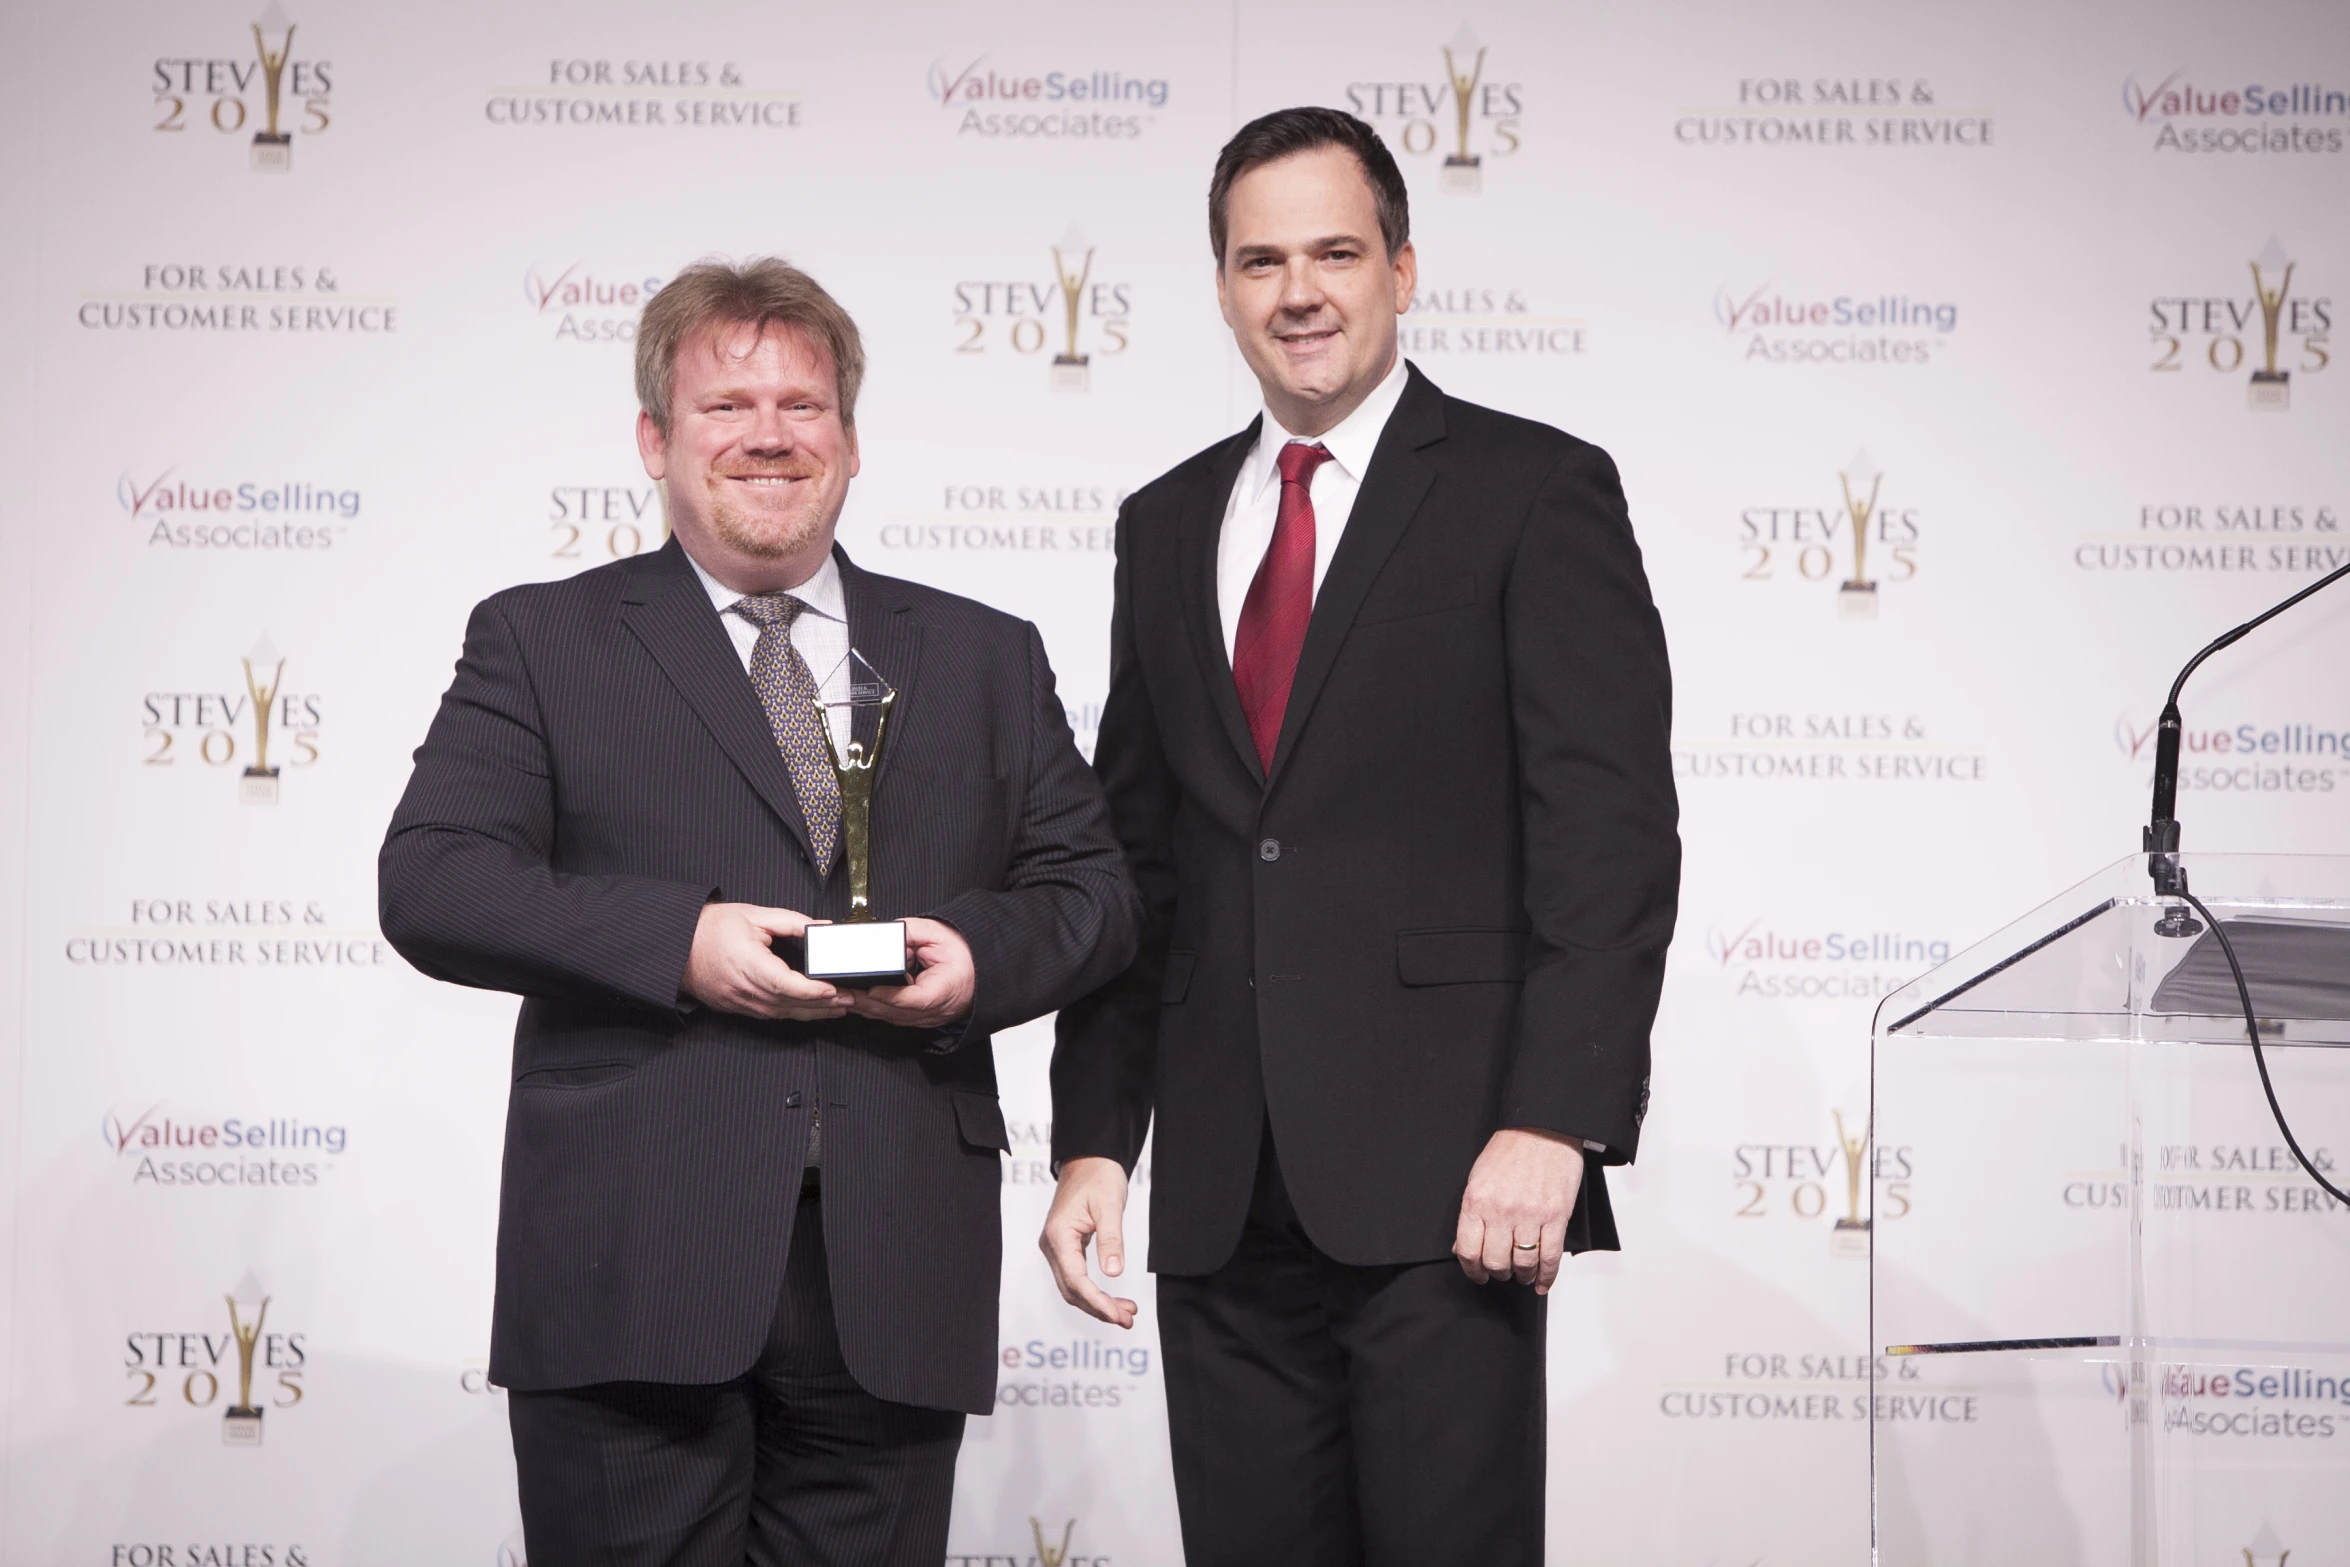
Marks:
<point>1326,242</point>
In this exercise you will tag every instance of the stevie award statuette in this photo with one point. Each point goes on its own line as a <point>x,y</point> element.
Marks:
<point>273,149</point>
<point>1070,368</point>
<point>1857,599</point>
<point>1463,170</point>
<point>241,1426</point>
<point>259,785</point>
<point>860,951</point>
<point>1852,1231</point>
<point>2271,390</point>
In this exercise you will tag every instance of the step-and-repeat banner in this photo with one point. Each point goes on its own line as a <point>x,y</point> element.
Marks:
<point>1967,367</point>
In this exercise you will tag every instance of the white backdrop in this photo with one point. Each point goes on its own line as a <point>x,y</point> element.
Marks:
<point>1998,257</point>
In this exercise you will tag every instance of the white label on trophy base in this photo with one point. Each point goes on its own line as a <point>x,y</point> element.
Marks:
<point>1851,1239</point>
<point>2271,397</point>
<point>1467,175</point>
<point>257,789</point>
<point>277,157</point>
<point>872,953</point>
<point>240,1429</point>
<point>1857,601</point>
<point>1071,375</point>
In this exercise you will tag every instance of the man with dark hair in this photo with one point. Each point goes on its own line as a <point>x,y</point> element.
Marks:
<point>1386,743</point>
<point>748,1232</point>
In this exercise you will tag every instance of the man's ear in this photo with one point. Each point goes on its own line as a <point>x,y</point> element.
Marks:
<point>652,445</point>
<point>855,462</point>
<point>1407,277</point>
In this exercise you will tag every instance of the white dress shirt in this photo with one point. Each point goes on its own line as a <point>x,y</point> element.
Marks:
<point>820,633</point>
<point>1256,496</point>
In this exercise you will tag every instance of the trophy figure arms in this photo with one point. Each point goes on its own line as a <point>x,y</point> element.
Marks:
<point>2272,305</point>
<point>1071,288</point>
<point>1462,86</point>
<point>263,700</point>
<point>273,68</point>
<point>1861,512</point>
<point>1045,1554</point>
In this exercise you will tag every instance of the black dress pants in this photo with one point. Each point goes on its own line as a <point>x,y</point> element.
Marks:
<point>789,1465</point>
<point>1324,1415</point>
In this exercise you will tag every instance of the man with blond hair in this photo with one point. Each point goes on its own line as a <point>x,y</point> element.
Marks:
<point>748,1239</point>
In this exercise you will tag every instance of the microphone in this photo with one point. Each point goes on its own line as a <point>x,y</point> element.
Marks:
<point>2162,825</point>
<point>2170,877</point>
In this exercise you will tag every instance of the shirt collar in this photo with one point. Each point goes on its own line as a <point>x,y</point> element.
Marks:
<point>822,593</point>
<point>1351,441</point>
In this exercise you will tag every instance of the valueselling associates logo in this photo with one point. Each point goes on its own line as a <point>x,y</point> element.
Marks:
<point>255,1369</point>
<point>2187,115</point>
<point>1456,121</point>
<point>2294,756</point>
<point>2268,336</point>
<point>158,1149</point>
<point>996,100</point>
<point>1775,326</point>
<point>1070,1374</point>
<point>174,511</point>
<point>583,304</point>
<point>1828,1185</point>
<point>1771,962</point>
<point>272,727</point>
<point>664,95</point>
<point>1810,545</point>
<point>1080,310</point>
<point>263,97</point>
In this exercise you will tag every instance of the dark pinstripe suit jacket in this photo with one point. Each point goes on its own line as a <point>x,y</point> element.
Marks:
<point>600,769</point>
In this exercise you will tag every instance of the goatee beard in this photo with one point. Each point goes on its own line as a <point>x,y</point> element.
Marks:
<point>766,537</point>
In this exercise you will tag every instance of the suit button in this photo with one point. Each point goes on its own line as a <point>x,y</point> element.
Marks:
<point>791,1101</point>
<point>1269,850</point>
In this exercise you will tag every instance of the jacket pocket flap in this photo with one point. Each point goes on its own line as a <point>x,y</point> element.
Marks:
<point>981,1120</point>
<point>1175,984</point>
<point>1460,957</point>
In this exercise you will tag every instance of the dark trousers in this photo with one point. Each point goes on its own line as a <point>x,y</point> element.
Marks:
<point>791,1463</point>
<point>1324,1415</point>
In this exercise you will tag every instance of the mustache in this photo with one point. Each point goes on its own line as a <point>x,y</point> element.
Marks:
<point>797,466</point>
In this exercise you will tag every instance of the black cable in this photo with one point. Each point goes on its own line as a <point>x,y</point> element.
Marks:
<point>2252,1031</point>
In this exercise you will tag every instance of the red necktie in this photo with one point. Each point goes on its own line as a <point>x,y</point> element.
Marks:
<point>1280,601</point>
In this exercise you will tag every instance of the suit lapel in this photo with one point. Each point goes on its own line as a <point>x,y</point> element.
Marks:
<point>883,628</point>
<point>1398,480</point>
<point>665,607</point>
<point>1202,525</point>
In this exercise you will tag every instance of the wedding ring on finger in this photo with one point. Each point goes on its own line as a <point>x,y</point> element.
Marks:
<point>1525,1245</point>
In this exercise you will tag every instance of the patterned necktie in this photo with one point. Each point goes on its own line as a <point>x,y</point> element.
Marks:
<point>1280,601</point>
<point>788,692</point>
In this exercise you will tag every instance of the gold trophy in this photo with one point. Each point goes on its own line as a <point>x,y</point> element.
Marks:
<point>1047,1556</point>
<point>1070,373</point>
<point>1464,170</point>
<point>1857,600</point>
<point>2271,390</point>
<point>1852,1231</point>
<point>259,785</point>
<point>273,149</point>
<point>859,951</point>
<point>241,1426</point>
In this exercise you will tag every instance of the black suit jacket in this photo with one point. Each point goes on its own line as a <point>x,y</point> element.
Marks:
<point>1444,908</point>
<point>601,769</point>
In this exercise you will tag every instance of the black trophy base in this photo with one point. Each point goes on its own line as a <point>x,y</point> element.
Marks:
<point>857,956</point>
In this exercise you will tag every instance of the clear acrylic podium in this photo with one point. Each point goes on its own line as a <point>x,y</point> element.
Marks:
<point>2111,1313</point>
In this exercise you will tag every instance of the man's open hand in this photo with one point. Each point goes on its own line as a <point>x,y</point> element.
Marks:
<point>1089,1203</point>
<point>1514,1213</point>
<point>939,994</point>
<point>733,969</point>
